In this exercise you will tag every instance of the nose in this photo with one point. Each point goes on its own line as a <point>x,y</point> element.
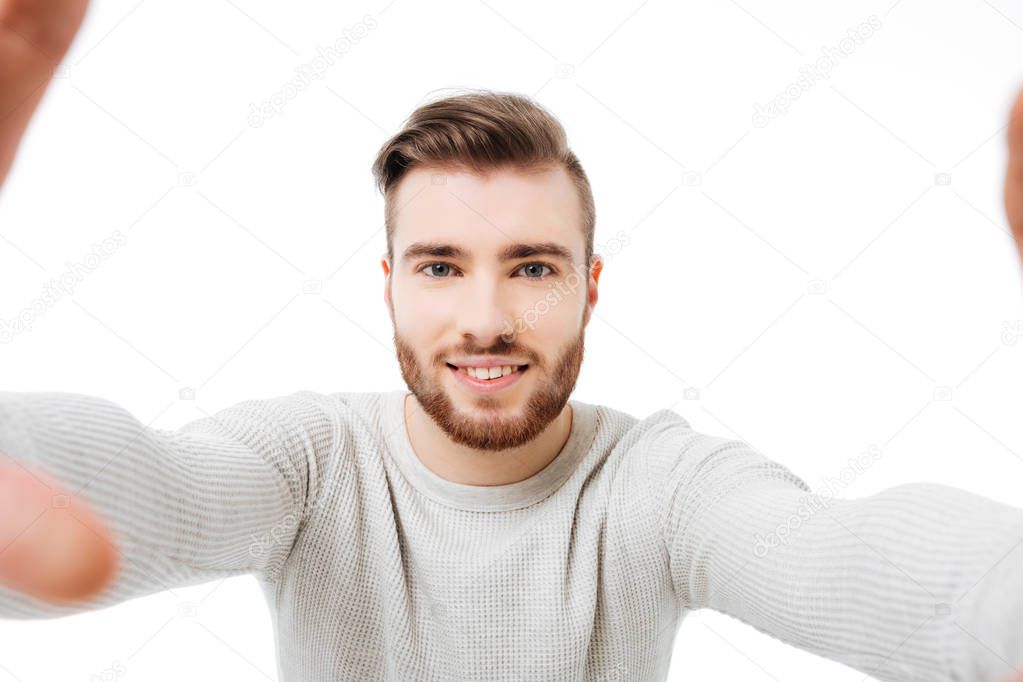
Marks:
<point>484,316</point>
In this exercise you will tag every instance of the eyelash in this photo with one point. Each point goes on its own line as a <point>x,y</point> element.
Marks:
<point>553,270</point>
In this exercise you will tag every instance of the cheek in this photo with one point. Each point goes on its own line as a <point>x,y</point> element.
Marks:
<point>423,318</point>
<point>552,315</point>
<point>412,309</point>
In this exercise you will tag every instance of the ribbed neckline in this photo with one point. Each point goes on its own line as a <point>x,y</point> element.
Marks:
<point>487,497</point>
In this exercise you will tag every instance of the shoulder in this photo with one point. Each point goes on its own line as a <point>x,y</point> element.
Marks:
<point>619,430</point>
<point>651,446</point>
<point>656,434</point>
<point>307,421</point>
<point>675,456</point>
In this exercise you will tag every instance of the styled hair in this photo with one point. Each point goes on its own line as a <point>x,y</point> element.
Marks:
<point>480,130</point>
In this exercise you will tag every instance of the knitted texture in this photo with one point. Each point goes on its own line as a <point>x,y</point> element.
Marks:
<point>375,568</point>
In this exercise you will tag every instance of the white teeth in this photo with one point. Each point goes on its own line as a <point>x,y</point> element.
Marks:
<point>488,372</point>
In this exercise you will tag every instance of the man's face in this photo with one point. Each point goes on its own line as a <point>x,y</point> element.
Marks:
<point>460,296</point>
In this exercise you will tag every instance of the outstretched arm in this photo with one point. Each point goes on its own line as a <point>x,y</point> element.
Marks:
<point>96,507</point>
<point>919,582</point>
<point>223,495</point>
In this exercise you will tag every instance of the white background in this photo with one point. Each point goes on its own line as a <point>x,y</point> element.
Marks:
<point>729,226</point>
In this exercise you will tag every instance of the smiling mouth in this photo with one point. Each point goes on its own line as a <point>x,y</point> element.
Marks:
<point>489,373</point>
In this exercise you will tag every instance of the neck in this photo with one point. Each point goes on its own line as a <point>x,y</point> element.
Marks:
<point>461,464</point>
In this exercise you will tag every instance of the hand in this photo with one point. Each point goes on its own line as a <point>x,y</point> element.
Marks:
<point>51,545</point>
<point>1014,174</point>
<point>34,37</point>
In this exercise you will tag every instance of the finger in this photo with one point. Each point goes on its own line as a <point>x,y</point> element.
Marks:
<point>34,37</point>
<point>1014,173</point>
<point>52,546</point>
<point>48,26</point>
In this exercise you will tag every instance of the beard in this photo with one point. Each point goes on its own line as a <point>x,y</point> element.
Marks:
<point>493,431</point>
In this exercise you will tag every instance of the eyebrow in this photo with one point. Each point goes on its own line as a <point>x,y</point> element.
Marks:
<point>510,252</point>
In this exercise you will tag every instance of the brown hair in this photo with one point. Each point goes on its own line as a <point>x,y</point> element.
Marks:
<point>480,130</point>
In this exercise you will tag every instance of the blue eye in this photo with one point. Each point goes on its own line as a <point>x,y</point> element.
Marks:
<point>436,265</point>
<point>540,274</point>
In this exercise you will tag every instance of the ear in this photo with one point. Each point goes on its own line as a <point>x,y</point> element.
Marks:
<point>591,290</point>
<point>385,263</point>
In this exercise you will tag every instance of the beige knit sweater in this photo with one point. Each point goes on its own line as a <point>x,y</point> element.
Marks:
<point>375,568</point>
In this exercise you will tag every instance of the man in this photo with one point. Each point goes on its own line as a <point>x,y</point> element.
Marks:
<point>483,525</point>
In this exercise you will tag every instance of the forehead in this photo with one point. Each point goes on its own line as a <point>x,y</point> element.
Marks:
<point>484,212</point>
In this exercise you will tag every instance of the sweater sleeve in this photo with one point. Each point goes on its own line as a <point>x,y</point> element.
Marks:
<point>918,582</point>
<point>221,496</point>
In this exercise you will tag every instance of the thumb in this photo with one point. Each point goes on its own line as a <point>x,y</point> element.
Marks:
<point>52,546</point>
<point>1014,173</point>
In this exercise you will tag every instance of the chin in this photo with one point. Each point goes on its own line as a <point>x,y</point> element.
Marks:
<point>486,404</point>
